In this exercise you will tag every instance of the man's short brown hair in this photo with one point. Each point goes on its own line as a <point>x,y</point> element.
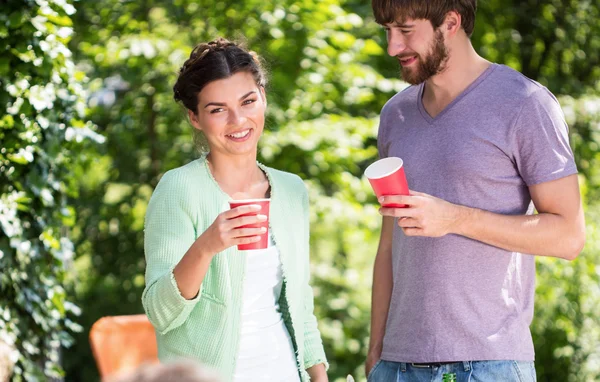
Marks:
<point>388,11</point>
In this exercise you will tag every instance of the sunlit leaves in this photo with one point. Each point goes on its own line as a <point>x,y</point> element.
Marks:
<point>44,104</point>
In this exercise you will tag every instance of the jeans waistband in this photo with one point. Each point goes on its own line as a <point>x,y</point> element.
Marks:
<point>403,365</point>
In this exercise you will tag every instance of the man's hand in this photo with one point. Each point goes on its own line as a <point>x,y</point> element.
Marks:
<point>372,359</point>
<point>425,215</point>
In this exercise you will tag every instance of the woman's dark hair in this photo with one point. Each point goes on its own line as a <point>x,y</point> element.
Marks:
<point>211,61</point>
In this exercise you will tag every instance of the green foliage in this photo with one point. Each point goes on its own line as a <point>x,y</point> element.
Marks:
<point>556,42</point>
<point>43,135</point>
<point>565,331</point>
<point>330,76</point>
<point>322,125</point>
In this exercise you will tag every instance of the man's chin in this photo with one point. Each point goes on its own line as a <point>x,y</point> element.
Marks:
<point>409,76</point>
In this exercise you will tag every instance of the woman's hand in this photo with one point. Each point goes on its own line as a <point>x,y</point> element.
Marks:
<point>224,232</point>
<point>317,373</point>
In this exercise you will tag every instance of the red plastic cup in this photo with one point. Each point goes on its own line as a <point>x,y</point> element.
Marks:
<point>387,178</point>
<point>264,210</point>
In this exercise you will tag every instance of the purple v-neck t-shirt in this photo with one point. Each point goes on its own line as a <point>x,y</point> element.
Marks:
<point>457,299</point>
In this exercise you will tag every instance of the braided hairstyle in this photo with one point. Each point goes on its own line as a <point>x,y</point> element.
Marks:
<point>211,61</point>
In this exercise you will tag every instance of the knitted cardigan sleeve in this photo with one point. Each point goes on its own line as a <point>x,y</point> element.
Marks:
<point>169,231</point>
<point>313,345</point>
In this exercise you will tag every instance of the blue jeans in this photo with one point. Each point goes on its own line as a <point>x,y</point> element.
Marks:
<point>469,371</point>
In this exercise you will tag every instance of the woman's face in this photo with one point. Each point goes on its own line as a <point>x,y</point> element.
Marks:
<point>231,114</point>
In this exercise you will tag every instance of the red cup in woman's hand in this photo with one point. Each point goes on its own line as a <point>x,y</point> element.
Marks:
<point>264,210</point>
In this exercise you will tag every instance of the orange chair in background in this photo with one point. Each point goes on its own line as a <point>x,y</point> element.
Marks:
<point>122,343</point>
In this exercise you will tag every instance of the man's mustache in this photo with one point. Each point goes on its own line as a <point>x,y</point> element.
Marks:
<point>406,55</point>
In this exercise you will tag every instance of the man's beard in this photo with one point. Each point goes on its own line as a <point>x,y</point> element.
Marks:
<point>428,66</point>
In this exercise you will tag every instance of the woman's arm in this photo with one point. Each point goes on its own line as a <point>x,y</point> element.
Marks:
<point>317,373</point>
<point>176,262</point>
<point>222,234</point>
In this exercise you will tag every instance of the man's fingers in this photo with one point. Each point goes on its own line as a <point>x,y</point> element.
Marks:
<point>408,223</point>
<point>397,199</point>
<point>397,212</point>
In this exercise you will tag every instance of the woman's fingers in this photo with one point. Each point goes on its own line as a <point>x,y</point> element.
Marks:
<point>245,232</point>
<point>245,220</point>
<point>246,240</point>
<point>232,225</point>
<point>241,210</point>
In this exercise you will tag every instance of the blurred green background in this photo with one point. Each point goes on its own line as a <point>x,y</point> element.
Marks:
<point>89,125</point>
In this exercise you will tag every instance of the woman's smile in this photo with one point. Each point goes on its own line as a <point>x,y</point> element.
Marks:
<point>240,135</point>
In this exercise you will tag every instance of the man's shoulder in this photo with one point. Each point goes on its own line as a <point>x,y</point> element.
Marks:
<point>405,96</point>
<point>516,85</point>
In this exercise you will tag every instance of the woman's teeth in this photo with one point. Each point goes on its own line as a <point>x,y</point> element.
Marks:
<point>241,134</point>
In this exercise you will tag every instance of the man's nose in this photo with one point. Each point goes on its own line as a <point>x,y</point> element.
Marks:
<point>396,45</point>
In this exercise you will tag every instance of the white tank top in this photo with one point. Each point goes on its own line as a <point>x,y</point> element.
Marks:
<point>266,351</point>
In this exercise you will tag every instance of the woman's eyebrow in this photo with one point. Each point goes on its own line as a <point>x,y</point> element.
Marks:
<point>223,104</point>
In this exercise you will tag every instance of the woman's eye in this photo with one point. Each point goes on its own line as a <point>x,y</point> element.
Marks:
<point>248,101</point>
<point>217,110</point>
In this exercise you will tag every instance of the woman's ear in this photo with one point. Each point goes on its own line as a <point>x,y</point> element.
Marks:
<point>194,120</point>
<point>263,94</point>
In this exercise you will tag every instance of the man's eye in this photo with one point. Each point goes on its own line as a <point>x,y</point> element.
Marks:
<point>248,101</point>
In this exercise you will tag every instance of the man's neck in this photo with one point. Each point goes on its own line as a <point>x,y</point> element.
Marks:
<point>463,67</point>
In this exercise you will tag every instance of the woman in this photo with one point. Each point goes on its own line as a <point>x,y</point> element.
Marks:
<point>249,314</point>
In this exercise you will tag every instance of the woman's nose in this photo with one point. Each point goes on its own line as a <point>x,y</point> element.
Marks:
<point>236,117</point>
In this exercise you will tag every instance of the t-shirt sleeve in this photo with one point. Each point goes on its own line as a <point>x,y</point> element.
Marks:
<point>382,146</point>
<point>541,140</point>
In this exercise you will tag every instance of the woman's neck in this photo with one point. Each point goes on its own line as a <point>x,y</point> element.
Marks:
<point>239,177</point>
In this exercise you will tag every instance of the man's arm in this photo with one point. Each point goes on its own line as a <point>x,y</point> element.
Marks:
<point>381,293</point>
<point>558,230</point>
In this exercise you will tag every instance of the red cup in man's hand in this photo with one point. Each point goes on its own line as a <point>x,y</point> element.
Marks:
<point>387,178</point>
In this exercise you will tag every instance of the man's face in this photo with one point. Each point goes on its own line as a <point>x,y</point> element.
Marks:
<point>420,49</point>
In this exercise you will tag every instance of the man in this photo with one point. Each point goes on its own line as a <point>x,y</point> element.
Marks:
<point>482,145</point>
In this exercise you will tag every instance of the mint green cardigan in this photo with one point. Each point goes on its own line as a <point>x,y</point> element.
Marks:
<point>184,204</point>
